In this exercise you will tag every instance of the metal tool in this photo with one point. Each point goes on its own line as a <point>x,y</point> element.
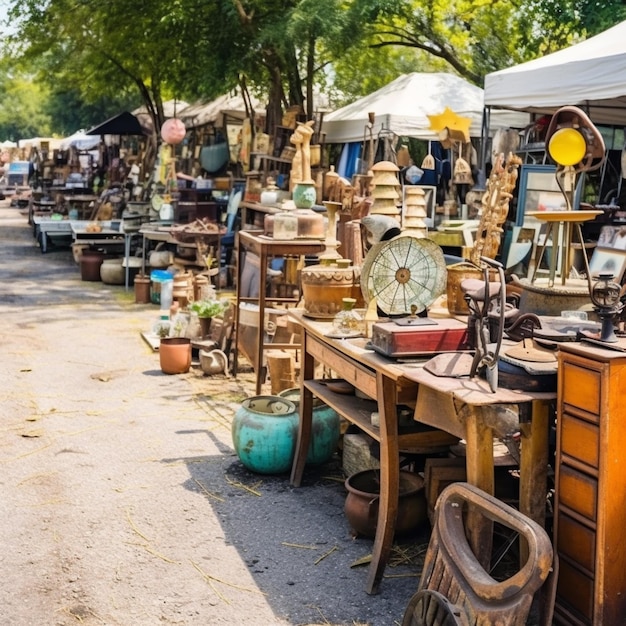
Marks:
<point>480,297</point>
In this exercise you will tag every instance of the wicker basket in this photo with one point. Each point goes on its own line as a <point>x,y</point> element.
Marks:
<point>457,273</point>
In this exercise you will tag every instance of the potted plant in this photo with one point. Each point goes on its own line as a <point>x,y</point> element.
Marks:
<point>206,310</point>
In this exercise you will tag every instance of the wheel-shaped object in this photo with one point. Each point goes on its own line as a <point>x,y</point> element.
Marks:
<point>403,272</point>
<point>430,608</point>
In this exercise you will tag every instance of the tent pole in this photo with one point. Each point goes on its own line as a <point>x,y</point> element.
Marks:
<point>484,141</point>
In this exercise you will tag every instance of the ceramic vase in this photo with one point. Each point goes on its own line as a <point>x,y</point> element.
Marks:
<point>304,195</point>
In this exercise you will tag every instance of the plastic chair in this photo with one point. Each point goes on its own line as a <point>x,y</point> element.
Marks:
<point>455,588</point>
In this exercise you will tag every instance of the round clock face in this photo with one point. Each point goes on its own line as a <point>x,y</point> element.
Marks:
<point>403,272</point>
<point>156,202</point>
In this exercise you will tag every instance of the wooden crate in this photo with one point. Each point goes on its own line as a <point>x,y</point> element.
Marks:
<point>438,474</point>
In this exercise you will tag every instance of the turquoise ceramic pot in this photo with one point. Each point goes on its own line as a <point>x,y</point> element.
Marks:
<point>264,432</point>
<point>325,428</point>
<point>304,195</point>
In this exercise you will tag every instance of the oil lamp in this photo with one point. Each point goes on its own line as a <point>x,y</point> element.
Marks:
<point>605,295</point>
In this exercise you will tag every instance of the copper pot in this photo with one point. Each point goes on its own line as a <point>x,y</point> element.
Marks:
<point>361,505</point>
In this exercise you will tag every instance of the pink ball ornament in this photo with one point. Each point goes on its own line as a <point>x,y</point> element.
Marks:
<point>173,131</point>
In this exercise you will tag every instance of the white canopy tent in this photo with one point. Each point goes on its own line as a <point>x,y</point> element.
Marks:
<point>213,112</point>
<point>403,106</point>
<point>590,74</point>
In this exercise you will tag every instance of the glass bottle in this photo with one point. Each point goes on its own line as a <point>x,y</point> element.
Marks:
<point>348,321</point>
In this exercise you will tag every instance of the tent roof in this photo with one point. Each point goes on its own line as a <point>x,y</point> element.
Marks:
<point>124,123</point>
<point>403,106</point>
<point>212,112</point>
<point>590,74</point>
<point>81,141</point>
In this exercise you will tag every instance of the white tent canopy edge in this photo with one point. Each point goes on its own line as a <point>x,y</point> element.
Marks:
<point>403,105</point>
<point>590,74</point>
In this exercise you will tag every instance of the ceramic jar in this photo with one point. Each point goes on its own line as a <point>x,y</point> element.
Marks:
<point>324,287</point>
<point>264,432</point>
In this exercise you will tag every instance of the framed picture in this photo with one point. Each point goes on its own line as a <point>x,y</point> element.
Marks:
<point>612,237</point>
<point>539,191</point>
<point>608,261</point>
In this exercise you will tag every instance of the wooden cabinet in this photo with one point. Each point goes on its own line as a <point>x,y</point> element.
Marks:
<point>591,487</point>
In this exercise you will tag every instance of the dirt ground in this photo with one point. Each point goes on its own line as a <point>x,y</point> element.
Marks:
<point>122,500</point>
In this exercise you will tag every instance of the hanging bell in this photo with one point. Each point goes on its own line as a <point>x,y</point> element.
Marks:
<point>462,174</point>
<point>429,162</point>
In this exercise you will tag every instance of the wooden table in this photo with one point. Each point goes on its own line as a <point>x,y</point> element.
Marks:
<point>266,248</point>
<point>466,408</point>
<point>253,214</point>
<point>82,203</point>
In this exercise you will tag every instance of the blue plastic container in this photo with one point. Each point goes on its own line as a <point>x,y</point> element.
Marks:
<point>157,278</point>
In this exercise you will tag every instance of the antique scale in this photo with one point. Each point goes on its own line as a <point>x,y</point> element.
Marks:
<point>405,275</point>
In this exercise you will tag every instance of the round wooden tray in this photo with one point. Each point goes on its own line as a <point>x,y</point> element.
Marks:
<point>564,216</point>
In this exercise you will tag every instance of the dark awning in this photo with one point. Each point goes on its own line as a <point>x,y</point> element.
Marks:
<point>123,124</point>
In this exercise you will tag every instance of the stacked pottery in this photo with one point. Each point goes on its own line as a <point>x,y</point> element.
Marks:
<point>415,212</point>
<point>385,186</point>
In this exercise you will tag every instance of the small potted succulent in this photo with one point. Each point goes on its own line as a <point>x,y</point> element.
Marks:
<point>206,310</point>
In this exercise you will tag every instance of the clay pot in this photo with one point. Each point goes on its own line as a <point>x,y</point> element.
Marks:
<point>142,289</point>
<point>90,262</point>
<point>112,272</point>
<point>361,505</point>
<point>175,355</point>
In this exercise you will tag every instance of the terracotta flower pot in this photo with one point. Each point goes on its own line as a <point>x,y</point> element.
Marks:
<point>175,355</point>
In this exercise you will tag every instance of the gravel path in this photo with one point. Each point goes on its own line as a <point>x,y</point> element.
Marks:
<point>123,502</point>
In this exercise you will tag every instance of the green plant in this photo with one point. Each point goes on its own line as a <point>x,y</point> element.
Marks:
<point>209,308</point>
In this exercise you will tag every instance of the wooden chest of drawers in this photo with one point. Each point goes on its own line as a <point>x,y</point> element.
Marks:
<point>589,529</point>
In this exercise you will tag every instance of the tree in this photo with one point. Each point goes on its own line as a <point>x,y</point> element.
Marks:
<point>475,37</point>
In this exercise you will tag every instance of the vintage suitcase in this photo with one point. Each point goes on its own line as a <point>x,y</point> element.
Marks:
<point>429,338</point>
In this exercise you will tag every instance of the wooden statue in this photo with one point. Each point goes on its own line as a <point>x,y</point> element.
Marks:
<point>301,164</point>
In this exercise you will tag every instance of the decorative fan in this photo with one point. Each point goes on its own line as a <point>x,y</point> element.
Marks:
<point>403,272</point>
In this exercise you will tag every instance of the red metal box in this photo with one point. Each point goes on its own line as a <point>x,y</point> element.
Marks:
<point>437,335</point>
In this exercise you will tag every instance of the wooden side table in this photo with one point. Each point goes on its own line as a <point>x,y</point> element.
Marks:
<point>265,248</point>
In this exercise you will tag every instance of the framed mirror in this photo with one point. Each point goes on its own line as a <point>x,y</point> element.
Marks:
<point>539,191</point>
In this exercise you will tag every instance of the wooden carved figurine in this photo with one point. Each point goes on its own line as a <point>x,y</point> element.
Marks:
<point>301,164</point>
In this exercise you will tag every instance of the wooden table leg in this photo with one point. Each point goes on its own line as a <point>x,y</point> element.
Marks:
<point>480,473</point>
<point>534,464</point>
<point>389,481</point>
<point>306,415</point>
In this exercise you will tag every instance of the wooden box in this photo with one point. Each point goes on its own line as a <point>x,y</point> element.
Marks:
<point>438,474</point>
<point>433,337</point>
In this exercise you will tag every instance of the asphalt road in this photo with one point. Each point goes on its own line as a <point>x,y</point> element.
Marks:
<point>122,500</point>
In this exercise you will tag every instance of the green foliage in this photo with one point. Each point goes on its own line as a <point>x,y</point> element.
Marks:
<point>81,55</point>
<point>209,308</point>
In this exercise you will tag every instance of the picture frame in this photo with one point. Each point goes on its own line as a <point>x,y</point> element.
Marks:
<point>539,191</point>
<point>612,237</point>
<point>605,260</point>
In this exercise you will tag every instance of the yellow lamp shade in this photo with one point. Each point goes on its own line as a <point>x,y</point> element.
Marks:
<point>567,146</point>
